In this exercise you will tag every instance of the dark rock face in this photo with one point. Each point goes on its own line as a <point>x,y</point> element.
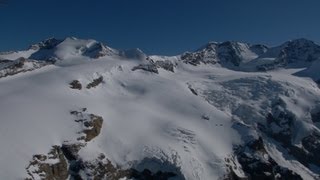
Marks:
<point>280,126</point>
<point>257,164</point>
<point>205,55</point>
<point>95,82</point>
<point>46,44</point>
<point>192,58</point>
<point>104,169</point>
<point>229,52</point>
<point>256,167</point>
<point>94,127</point>
<point>70,151</point>
<point>166,65</point>
<point>40,168</point>
<point>10,68</point>
<point>153,66</point>
<point>146,67</point>
<point>293,52</point>
<point>75,84</point>
<point>16,64</point>
<point>267,67</point>
<point>205,117</point>
<point>307,154</point>
<point>192,90</point>
<point>255,160</point>
<point>49,43</point>
<point>222,53</point>
<point>4,61</point>
<point>45,50</point>
<point>91,124</point>
<point>283,121</point>
<point>300,50</point>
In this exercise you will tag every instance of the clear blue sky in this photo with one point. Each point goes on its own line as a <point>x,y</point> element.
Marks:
<point>158,26</point>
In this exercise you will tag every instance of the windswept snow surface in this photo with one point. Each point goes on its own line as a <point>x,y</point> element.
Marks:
<point>144,114</point>
<point>185,117</point>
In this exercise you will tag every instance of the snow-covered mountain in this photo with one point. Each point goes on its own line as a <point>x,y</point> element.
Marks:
<point>78,109</point>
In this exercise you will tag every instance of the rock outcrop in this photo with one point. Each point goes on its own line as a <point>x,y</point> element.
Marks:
<point>10,68</point>
<point>95,82</point>
<point>153,66</point>
<point>75,84</point>
<point>51,166</point>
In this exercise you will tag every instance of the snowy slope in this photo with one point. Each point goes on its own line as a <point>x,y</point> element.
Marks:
<point>194,116</point>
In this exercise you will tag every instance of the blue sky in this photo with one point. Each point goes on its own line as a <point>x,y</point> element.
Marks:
<point>158,26</point>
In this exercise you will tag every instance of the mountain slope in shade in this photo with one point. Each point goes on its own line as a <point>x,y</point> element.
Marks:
<point>78,109</point>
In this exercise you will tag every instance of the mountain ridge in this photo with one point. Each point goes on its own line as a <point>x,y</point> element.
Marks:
<point>214,52</point>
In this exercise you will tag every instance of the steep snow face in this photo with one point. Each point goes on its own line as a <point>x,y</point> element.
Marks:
<point>194,116</point>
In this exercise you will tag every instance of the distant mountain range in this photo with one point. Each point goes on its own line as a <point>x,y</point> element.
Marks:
<point>78,109</point>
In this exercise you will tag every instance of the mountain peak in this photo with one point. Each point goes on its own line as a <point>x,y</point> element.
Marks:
<point>299,50</point>
<point>298,43</point>
<point>46,44</point>
<point>213,44</point>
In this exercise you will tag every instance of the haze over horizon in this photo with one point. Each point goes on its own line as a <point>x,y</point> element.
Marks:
<point>158,27</point>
